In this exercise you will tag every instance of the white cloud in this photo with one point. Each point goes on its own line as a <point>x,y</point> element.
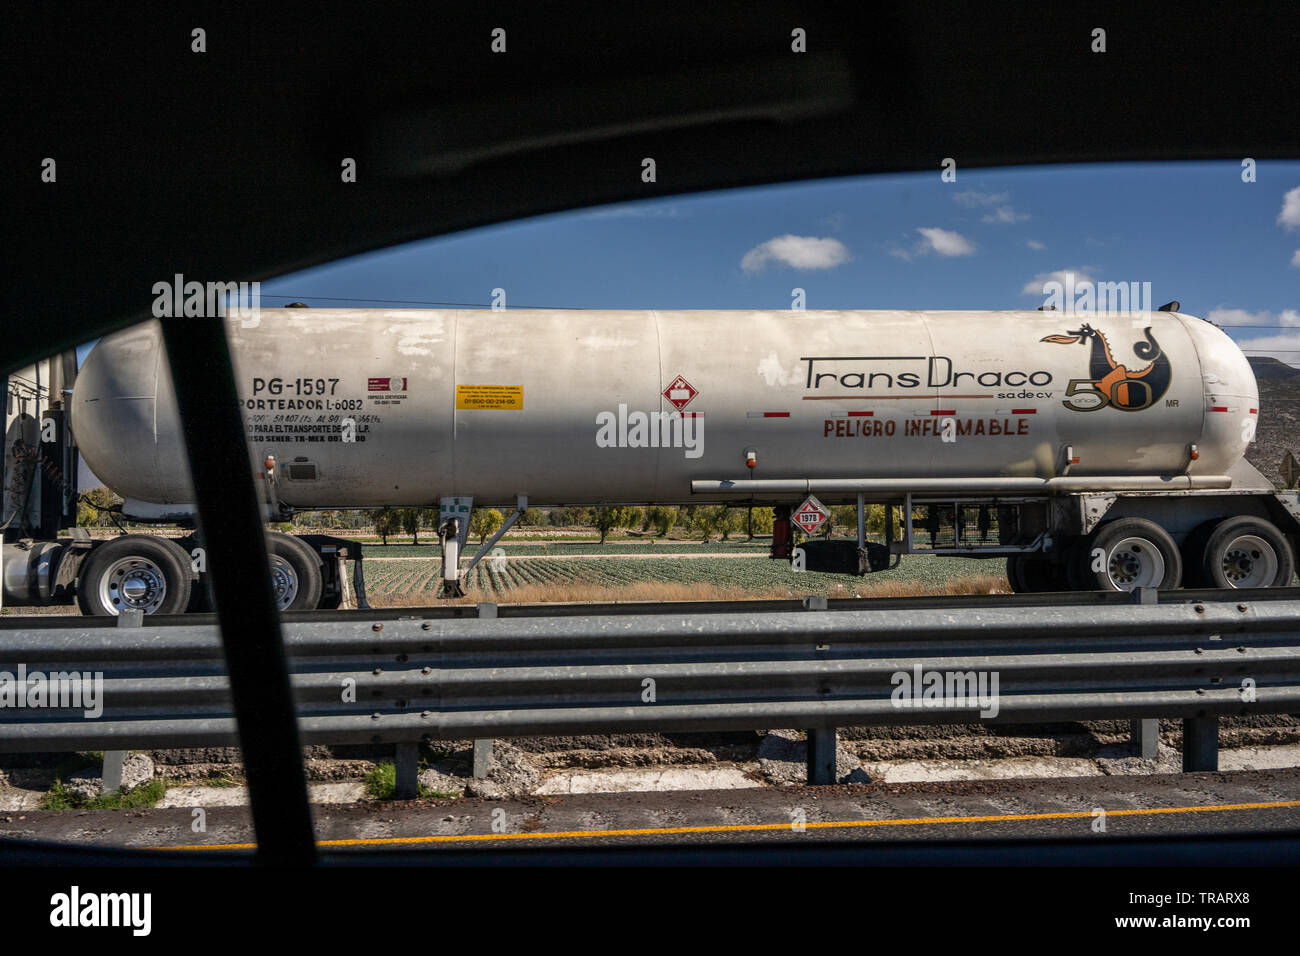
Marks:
<point>971,198</point>
<point>1036,245</point>
<point>1005,214</point>
<point>1295,259</point>
<point>1290,214</point>
<point>798,252</point>
<point>1282,343</point>
<point>1287,318</point>
<point>1082,275</point>
<point>1284,346</point>
<point>945,243</point>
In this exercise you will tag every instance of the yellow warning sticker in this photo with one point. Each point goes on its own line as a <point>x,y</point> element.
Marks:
<point>500,397</point>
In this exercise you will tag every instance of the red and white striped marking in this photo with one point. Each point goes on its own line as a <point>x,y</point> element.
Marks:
<point>767,414</point>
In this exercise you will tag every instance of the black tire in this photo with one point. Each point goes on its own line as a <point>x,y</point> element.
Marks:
<point>1247,552</point>
<point>1193,552</point>
<point>1047,576</point>
<point>1075,569</point>
<point>135,570</point>
<point>1016,574</point>
<point>200,599</point>
<point>1134,552</point>
<point>296,570</point>
<point>1034,574</point>
<point>200,582</point>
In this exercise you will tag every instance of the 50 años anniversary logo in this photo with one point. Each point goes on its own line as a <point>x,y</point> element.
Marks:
<point>1113,384</point>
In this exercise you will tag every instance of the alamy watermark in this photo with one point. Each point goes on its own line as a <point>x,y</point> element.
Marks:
<point>61,689</point>
<point>1072,294</point>
<point>126,910</point>
<point>193,299</point>
<point>637,429</point>
<point>924,689</point>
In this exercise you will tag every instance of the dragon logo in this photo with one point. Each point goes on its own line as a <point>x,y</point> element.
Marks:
<point>1113,384</point>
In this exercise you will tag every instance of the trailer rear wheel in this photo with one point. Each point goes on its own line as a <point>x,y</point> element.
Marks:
<point>1016,574</point>
<point>1127,554</point>
<point>1053,576</point>
<point>1247,552</point>
<point>1034,574</point>
<point>135,572</point>
<point>295,573</point>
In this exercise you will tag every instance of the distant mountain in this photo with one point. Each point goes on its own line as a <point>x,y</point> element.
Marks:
<point>1266,366</point>
<point>1278,430</point>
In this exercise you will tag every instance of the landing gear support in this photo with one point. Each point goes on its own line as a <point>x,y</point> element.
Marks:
<point>453,531</point>
<point>449,537</point>
<point>782,542</point>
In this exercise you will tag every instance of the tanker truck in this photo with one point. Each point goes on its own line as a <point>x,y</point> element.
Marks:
<point>1091,451</point>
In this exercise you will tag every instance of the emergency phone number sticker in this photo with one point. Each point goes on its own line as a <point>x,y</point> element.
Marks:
<point>500,397</point>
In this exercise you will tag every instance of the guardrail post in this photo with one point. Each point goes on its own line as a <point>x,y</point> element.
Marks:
<point>483,746</point>
<point>407,767</point>
<point>822,741</point>
<point>1145,733</point>
<point>131,617</point>
<point>821,755</point>
<point>1146,737</point>
<point>1200,744</point>
<point>115,760</point>
<point>482,754</point>
<point>1144,596</point>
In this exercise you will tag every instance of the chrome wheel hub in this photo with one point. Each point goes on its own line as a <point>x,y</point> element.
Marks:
<point>133,584</point>
<point>284,581</point>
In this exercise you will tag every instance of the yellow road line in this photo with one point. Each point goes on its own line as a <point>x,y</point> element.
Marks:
<point>752,827</point>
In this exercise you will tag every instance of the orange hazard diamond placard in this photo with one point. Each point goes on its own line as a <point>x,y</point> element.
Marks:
<point>680,393</point>
<point>810,515</point>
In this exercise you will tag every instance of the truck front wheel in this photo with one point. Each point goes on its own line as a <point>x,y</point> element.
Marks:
<point>134,572</point>
<point>295,573</point>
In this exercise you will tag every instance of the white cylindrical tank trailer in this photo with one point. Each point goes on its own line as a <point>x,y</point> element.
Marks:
<point>498,404</point>
<point>1041,429</point>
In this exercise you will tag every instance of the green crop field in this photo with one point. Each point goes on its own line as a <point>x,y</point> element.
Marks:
<point>758,574</point>
<point>558,548</point>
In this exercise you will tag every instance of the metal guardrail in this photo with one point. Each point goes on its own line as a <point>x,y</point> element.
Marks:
<point>470,611</point>
<point>404,681</point>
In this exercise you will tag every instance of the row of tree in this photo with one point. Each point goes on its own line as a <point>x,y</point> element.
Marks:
<point>704,520</point>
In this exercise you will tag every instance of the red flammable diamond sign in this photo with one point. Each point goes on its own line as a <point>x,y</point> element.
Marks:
<point>810,515</point>
<point>679,393</point>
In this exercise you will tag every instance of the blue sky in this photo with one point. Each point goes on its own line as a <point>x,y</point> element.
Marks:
<point>1226,249</point>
